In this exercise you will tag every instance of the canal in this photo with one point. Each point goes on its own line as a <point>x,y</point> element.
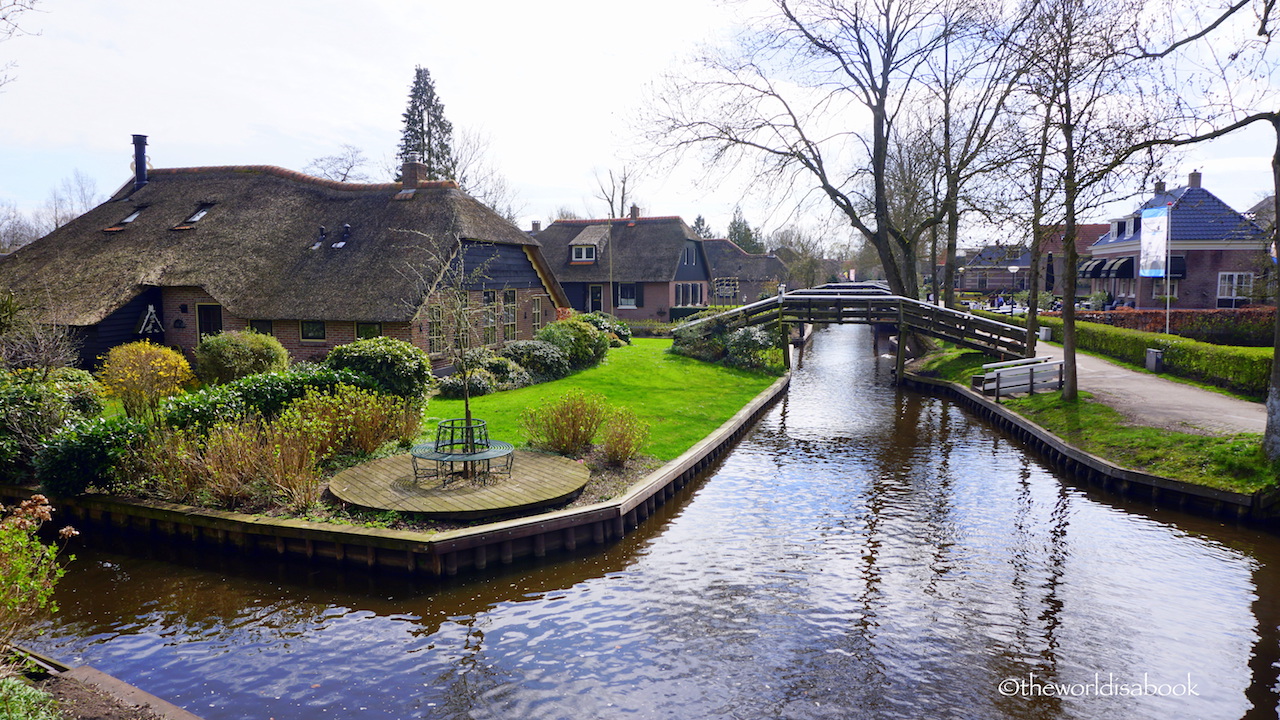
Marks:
<point>864,552</point>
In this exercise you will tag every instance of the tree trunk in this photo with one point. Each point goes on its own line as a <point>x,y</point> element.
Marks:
<point>1271,438</point>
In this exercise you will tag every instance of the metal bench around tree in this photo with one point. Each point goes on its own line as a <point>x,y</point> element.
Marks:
<point>460,441</point>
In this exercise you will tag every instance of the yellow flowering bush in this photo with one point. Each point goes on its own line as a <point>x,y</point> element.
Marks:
<point>141,374</point>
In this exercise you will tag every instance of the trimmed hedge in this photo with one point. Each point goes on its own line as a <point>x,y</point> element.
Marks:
<point>543,361</point>
<point>89,453</point>
<point>1243,369</point>
<point>400,368</point>
<point>233,354</point>
<point>265,395</point>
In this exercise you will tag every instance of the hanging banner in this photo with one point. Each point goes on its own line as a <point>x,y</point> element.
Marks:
<point>1155,242</point>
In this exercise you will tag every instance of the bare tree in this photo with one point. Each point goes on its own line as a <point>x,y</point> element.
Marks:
<point>16,228</point>
<point>11,12</point>
<point>479,176</point>
<point>616,190</point>
<point>71,198</point>
<point>346,166</point>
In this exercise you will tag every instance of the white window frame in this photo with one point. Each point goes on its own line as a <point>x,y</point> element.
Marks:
<point>584,253</point>
<point>1240,283</point>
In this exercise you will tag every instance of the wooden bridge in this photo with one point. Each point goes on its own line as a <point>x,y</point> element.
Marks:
<point>873,304</point>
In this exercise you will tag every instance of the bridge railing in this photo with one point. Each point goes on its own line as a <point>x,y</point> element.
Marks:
<point>874,305</point>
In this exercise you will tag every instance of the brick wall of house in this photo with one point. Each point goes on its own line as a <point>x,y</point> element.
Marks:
<point>1199,289</point>
<point>418,330</point>
<point>288,332</point>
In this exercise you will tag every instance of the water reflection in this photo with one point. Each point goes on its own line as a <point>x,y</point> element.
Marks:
<point>863,553</point>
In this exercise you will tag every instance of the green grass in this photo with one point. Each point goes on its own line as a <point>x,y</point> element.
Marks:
<point>682,399</point>
<point>1234,462</point>
<point>1231,462</point>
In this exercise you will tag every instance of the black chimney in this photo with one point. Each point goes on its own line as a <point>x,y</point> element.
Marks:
<point>139,161</point>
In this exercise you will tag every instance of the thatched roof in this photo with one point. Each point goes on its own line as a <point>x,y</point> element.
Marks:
<point>645,249</point>
<point>728,260</point>
<point>258,250</point>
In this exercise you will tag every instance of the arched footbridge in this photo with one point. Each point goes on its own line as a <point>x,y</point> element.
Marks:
<point>873,304</point>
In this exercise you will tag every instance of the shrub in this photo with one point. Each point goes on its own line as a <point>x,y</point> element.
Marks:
<point>745,345</point>
<point>581,342</point>
<point>20,701</point>
<point>566,425</point>
<point>609,325</point>
<point>622,436</point>
<point>359,421</point>
<point>235,354</point>
<point>479,382</point>
<point>141,373</point>
<point>89,453</point>
<point>507,374</point>
<point>29,413</point>
<point>398,367</point>
<point>29,571</point>
<point>269,393</point>
<point>543,360</point>
<point>204,408</point>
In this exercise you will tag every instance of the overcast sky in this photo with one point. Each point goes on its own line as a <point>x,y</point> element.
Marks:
<point>553,85</point>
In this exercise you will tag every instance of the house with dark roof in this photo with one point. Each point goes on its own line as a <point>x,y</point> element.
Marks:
<point>183,252</point>
<point>991,269</point>
<point>1216,256</point>
<point>740,277</point>
<point>638,268</point>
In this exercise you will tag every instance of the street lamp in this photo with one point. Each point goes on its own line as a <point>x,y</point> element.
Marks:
<point>1013,271</point>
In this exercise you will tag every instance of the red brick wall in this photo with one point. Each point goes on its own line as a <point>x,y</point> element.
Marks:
<point>524,321</point>
<point>288,332</point>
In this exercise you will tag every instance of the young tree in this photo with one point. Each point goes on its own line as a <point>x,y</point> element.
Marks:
<point>741,234</point>
<point>428,136</point>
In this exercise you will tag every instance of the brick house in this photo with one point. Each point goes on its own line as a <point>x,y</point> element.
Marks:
<point>183,252</point>
<point>740,277</point>
<point>637,268</point>
<point>1218,257</point>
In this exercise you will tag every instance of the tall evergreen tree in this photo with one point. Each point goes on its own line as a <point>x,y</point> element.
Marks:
<point>742,235</point>
<point>702,228</point>
<point>428,135</point>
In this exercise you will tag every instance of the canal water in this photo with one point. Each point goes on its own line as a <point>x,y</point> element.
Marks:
<point>864,552</point>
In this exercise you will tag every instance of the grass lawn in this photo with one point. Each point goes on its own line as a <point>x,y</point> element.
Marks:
<point>1232,462</point>
<point>682,399</point>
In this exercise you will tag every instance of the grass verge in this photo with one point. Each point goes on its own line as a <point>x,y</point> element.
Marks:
<point>1227,462</point>
<point>683,400</point>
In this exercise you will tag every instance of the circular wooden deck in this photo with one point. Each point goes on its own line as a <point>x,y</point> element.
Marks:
<point>537,480</point>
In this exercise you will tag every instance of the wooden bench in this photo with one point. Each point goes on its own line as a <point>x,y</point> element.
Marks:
<point>1017,376</point>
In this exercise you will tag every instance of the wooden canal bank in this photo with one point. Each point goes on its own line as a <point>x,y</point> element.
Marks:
<point>1262,506</point>
<point>428,554</point>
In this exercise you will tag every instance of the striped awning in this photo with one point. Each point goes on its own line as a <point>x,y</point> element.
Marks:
<point>1090,268</point>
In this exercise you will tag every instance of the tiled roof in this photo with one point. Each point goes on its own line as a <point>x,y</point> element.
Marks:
<point>1195,214</point>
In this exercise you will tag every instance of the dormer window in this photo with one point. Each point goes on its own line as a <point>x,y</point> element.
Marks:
<point>195,217</point>
<point>584,253</point>
<point>127,219</point>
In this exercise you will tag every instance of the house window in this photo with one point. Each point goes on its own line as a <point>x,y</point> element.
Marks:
<point>688,294</point>
<point>509,309</point>
<point>127,219</point>
<point>1157,289</point>
<point>535,313</point>
<point>490,317</point>
<point>261,326</point>
<point>208,319</point>
<point>688,255</point>
<point>1234,289</point>
<point>366,330</point>
<point>312,330</point>
<point>584,253</point>
<point>627,295</point>
<point>435,331</point>
<point>195,217</point>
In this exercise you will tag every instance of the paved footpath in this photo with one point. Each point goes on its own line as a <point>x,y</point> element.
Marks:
<point>1152,400</point>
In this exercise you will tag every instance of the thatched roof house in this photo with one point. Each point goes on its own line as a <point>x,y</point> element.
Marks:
<point>634,267</point>
<point>181,252</point>
<point>738,276</point>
